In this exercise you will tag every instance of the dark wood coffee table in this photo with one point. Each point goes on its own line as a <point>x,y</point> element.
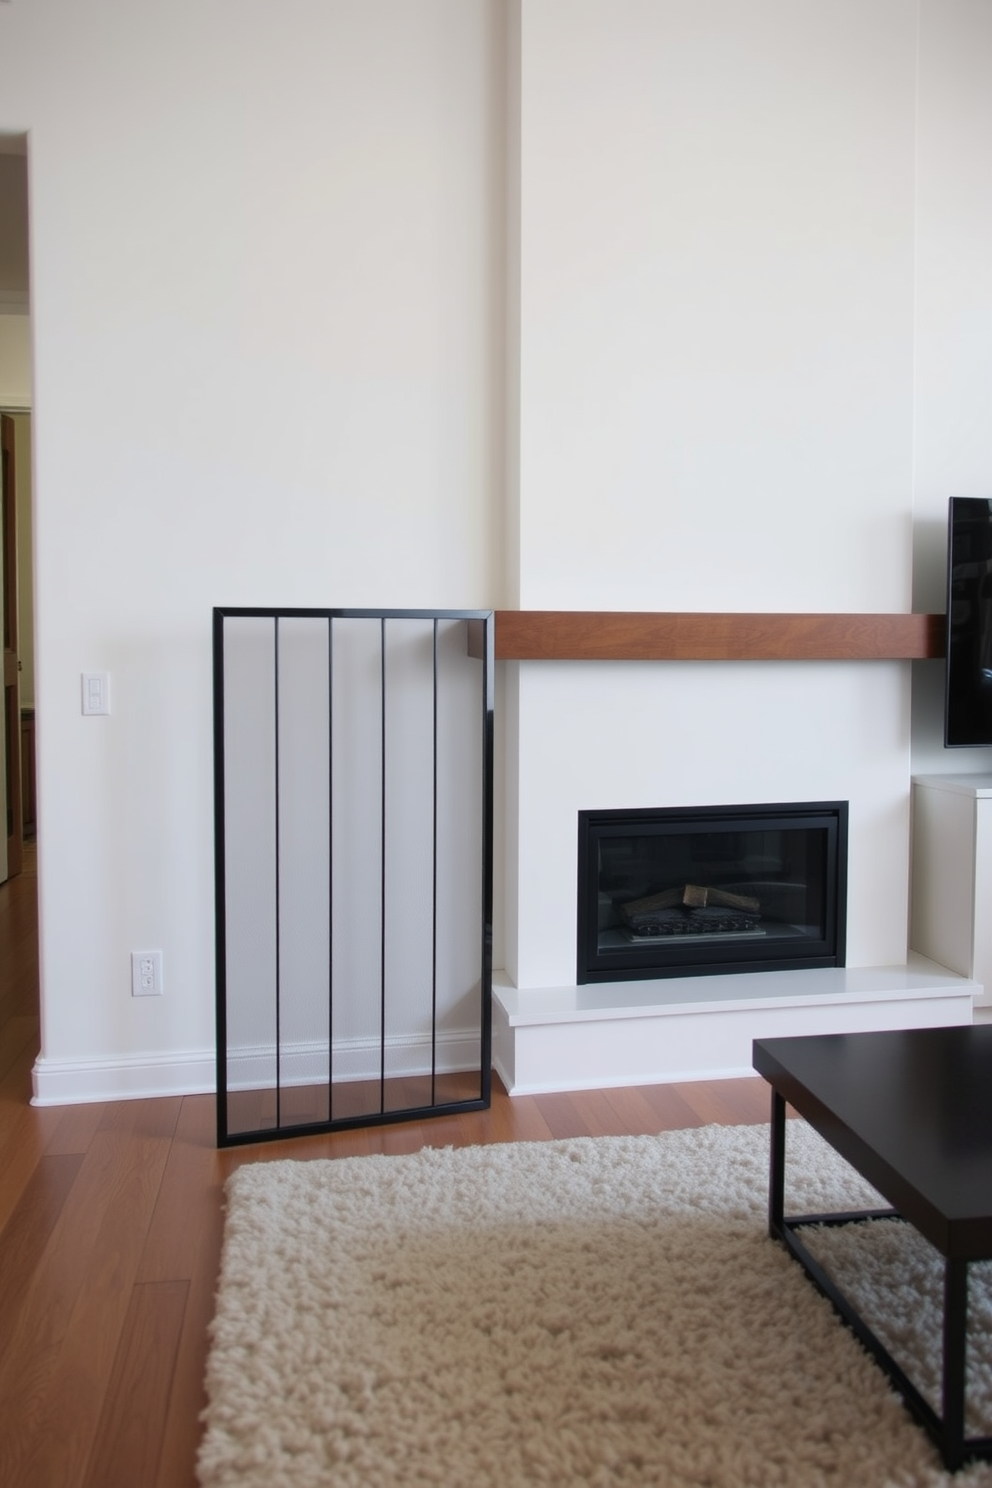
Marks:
<point>912,1112</point>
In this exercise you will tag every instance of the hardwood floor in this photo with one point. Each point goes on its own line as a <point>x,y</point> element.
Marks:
<point>110,1235</point>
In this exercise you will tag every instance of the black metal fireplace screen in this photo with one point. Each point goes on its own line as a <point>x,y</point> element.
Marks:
<point>353,754</point>
<point>694,891</point>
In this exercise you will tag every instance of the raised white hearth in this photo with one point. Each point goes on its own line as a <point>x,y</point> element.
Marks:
<point>695,1028</point>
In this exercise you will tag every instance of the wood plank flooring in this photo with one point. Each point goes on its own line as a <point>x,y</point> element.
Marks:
<point>110,1235</point>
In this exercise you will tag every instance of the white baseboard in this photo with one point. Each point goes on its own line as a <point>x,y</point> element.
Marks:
<point>306,1062</point>
<point>70,1082</point>
<point>77,1082</point>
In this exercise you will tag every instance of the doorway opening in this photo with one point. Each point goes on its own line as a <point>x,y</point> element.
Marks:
<point>17,816</point>
<point>19,987</point>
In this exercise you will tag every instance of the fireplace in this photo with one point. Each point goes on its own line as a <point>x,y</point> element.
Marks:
<point>695,891</point>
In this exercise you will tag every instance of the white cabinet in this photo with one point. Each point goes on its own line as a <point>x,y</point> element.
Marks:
<point>951,897</point>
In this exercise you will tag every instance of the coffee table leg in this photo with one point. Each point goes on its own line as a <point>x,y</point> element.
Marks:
<point>955,1327</point>
<point>776,1178</point>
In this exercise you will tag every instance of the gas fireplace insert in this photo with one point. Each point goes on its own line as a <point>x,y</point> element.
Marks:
<point>694,891</point>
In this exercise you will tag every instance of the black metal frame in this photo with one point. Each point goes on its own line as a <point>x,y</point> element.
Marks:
<point>946,1430</point>
<point>480,627</point>
<point>594,964</point>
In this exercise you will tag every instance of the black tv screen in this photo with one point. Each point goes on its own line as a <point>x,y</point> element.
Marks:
<point>968,696</point>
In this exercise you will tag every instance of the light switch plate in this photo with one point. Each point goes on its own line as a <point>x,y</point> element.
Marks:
<point>96,692</point>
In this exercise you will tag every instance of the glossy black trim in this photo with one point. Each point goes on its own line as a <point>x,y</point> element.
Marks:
<point>968,669</point>
<point>278,885</point>
<point>382,864</point>
<point>488,761</point>
<point>330,869</point>
<point>220,932</point>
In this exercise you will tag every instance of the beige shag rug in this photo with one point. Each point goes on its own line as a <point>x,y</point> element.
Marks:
<point>604,1311</point>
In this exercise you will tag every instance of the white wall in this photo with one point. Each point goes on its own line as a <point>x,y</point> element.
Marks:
<point>614,735</point>
<point>266,271</point>
<point>283,355</point>
<point>717,413</point>
<point>717,291</point>
<point>953,435</point>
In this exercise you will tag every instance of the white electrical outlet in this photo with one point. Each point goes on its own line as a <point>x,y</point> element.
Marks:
<point>146,973</point>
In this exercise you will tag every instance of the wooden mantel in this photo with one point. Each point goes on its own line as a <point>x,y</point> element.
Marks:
<point>621,635</point>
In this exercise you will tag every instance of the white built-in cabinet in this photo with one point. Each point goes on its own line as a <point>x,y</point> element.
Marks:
<point>951,899</point>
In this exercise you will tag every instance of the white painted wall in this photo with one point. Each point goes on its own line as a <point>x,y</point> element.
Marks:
<point>717,211</point>
<point>953,434</point>
<point>283,355</point>
<point>266,271</point>
<point>717,413</point>
<point>611,735</point>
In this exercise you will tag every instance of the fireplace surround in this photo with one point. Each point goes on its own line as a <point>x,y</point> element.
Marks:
<point>696,891</point>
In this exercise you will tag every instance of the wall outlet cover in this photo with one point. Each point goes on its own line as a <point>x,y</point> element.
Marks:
<point>146,974</point>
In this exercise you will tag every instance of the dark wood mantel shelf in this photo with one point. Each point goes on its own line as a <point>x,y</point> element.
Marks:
<point>620,635</point>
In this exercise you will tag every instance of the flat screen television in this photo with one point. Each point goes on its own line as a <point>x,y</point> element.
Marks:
<point>968,688</point>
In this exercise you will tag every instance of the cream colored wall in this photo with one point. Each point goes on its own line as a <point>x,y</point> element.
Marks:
<point>717,274</point>
<point>953,433</point>
<point>717,289</point>
<point>266,293</point>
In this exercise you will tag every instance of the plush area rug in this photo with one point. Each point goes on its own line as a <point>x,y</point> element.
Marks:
<point>593,1311</point>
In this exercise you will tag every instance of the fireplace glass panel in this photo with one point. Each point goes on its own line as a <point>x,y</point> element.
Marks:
<point>682,891</point>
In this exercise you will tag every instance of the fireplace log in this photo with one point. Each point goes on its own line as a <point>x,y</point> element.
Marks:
<point>692,896</point>
<point>697,897</point>
<point>665,899</point>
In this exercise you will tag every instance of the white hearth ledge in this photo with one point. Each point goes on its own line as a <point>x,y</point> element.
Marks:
<point>701,1028</point>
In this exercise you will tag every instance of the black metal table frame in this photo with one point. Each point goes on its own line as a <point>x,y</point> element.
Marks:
<point>946,1430</point>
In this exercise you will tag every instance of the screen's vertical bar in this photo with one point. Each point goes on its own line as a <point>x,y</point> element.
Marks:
<point>275,670</point>
<point>382,863</point>
<point>330,867</point>
<point>434,885</point>
<point>220,890</point>
<point>488,708</point>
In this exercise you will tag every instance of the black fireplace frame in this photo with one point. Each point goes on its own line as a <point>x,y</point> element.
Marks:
<point>594,964</point>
